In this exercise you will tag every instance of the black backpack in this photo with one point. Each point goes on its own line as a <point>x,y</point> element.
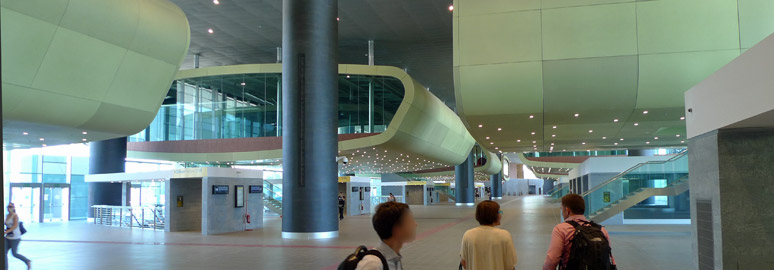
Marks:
<point>342,202</point>
<point>350,263</point>
<point>590,248</point>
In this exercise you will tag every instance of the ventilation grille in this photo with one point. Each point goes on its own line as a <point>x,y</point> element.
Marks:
<point>705,234</point>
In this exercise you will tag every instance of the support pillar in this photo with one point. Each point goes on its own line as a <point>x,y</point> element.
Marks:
<point>309,117</point>
<point>496,185</point>
<point>730,193</point>
<point>463,177</point>
<point>108,156</point>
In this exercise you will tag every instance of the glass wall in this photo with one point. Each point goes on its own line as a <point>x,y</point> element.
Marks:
<point>250,105</point>
<point>62,165</point>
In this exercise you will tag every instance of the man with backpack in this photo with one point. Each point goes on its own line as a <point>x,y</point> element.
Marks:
<point>395,225</point>
<point>578,243</point>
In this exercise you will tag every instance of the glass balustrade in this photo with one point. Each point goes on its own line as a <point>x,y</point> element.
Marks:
<point>250,105</point>
<point>654,174</point>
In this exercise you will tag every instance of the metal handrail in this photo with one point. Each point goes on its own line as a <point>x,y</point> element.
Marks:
<point>618,176</point>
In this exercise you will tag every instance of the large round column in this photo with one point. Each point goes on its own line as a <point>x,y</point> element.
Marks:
<point>496,184</point>
<point>108,156</point>
<point>309,117</point>
<point>463,177</point>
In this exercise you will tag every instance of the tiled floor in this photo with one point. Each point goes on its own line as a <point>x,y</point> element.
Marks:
<point>79,245</point>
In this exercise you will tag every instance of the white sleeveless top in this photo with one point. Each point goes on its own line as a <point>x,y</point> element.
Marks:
<point>16,232</point>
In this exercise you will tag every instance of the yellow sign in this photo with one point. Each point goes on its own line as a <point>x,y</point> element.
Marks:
<point>442,184</point>
<point>190,172</point>
<point>343,179</point>
<point>416,183</point>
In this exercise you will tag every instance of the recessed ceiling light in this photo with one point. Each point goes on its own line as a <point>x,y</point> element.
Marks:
<point>682,118</point>
<point>577,115</point>
<point>487,137</point>
<point>491,142</point>
<point>531,116</point>
<point>647,142</point>
<point>615,120</point>
<point>25,133</point>
<point>210,31</point>
<point>451,7</point>
<point>243,84</point>
<point>615,143</point>
<point>554,126</point>
<point>644,112</point>
<point>591,131</point>
<point>499,129</point>
<point>44,145</point>
<point>655,138</point>
<point>678,135</point>
<point>583,143</point>
<point>534,141</point>
<point>533,133</point>
<point>604,138</point>
<point>682,141</point>
<point>338,19</point>
<point>497,148</point>
<point>636,124</point>
<point>552,144</point>
<point>84,140</point>
<point>42,139</point>
<point>216,2</point>
<point>480,125</point>
<point>518,140</point>
<point>553,135</point>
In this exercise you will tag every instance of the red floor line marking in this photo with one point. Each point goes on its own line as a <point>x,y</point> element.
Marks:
<point>189,244</point>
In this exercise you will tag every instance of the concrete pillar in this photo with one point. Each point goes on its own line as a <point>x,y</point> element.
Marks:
<point>108,156</point>
<point>309,116</point>
<point>496,185</point>
<point>730,193</point>
<point>463,177</point>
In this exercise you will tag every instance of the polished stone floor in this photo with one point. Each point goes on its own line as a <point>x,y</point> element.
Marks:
<point>79,245</point>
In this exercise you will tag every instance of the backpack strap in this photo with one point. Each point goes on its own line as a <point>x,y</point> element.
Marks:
<point>573,223</point>
<point>379,255</point>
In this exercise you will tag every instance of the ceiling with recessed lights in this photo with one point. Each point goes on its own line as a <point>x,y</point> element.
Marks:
<point>556,75</point>
<point>415,35</point>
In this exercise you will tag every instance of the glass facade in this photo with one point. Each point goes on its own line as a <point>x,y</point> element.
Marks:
<point>250,105</point>
<point>56,169</point>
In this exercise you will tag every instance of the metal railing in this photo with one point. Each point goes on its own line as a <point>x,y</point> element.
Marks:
<point>144,217</point>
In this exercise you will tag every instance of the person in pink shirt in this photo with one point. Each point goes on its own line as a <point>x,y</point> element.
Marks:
<point>573,207</point>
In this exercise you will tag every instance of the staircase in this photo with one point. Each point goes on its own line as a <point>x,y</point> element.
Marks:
<point>637,196</point>
<point>272,197</point>
<point>273,205</point>
<point>637,184</point>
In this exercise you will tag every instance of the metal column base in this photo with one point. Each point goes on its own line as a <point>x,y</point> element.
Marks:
<point>309,236</point>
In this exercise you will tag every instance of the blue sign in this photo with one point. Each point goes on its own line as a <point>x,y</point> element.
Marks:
<point>219,189</point>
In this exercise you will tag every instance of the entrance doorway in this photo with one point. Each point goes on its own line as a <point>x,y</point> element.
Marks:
<point>41,202</point>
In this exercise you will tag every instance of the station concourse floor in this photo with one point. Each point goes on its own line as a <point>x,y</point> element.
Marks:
<point>81,245</point>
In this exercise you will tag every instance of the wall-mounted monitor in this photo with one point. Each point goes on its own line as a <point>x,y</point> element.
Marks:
<point>219,189</point>
<point>255,189</point>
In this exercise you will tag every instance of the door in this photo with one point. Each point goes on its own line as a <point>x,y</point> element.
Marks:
<point>26,197</point>
<point>56,203</point>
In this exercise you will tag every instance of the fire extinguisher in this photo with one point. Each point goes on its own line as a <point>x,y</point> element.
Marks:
<point>247,217</point>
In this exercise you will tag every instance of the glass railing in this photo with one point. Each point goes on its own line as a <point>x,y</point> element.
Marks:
<point>653,174</point>
<point>559,191</point>
<point>145,217</point>
<point>250,105</point>
<point>272,191</point>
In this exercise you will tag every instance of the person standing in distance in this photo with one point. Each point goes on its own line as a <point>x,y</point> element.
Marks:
<point>391,198</point>
<point>395,225</point>
<point>342,203</point>
<point>13,236</point>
